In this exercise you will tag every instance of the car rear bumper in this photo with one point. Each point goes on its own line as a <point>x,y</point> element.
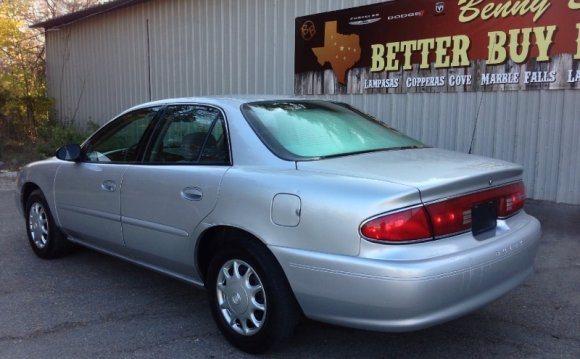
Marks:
<point>409,287</point>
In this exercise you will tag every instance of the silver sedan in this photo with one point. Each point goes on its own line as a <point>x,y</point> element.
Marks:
<point>283,208</point>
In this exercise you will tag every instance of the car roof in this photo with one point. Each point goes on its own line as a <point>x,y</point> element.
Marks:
<point>222,100</point>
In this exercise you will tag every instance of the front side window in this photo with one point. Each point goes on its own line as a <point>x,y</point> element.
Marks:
<point>121,140</point>
<point>309,130</point>
<point>190,134</point>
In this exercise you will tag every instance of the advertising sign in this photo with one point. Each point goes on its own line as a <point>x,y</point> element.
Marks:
<point>439,46</point>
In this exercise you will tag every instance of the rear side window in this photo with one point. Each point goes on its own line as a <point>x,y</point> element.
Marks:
<point>308,130</point>
<point>190,134</point>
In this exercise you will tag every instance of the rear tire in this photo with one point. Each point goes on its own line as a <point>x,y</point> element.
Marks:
<point>45,238</point>
<point>250,298</point>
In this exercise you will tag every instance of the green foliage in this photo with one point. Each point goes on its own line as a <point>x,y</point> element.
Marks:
<point>23,102</point>
<point>52,135</point>
<point>28,128</point>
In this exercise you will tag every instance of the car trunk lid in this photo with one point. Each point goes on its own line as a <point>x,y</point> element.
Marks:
<point>436,173</point>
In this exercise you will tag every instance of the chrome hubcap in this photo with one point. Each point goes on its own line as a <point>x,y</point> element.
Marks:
<point>241,297</point>
<point>38,225</point>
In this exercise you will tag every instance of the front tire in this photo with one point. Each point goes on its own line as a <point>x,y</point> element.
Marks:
<point>45,238</point>
<point>250,298</point>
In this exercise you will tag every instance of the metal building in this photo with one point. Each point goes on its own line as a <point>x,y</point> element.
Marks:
<point>108,58</point>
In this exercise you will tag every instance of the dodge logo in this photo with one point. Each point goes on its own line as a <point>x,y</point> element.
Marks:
<point>440,7</point>
<point>406,15</point>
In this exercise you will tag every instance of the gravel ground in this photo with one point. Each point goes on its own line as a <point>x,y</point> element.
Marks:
<point>7,180</point>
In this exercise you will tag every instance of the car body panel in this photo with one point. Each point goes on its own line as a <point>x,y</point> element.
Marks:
<point>383,290</point>
<point>39,175</point>
<point>332,207</point>
<point>88,202</point>
<point>162,236</point>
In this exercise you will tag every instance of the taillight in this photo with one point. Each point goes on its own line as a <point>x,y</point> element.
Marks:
<point>451,216</point>
<point>408,225</point>
<point>511,200</point>
<point>444,218</point>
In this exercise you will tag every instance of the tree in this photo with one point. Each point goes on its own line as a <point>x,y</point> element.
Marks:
<point>22,85</point>
<point>24,106</point>
<point>47,9</point>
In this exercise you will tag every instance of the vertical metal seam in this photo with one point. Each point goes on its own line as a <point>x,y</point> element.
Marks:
<point>148,61</point>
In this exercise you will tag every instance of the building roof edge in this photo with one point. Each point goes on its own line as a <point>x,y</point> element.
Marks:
<point>68,19</point>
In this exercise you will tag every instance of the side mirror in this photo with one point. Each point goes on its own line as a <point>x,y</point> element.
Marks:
<point>70,152</point>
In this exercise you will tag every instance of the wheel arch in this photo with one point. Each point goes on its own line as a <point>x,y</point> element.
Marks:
<point>214,238</point>
<point>223,236</point>
<point>27,189</point>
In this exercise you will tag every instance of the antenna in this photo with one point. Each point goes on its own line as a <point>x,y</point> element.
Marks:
<point>475,124</point>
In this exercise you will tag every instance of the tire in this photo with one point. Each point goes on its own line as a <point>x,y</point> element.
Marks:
<point>250,298</point>
<point>45,238</point>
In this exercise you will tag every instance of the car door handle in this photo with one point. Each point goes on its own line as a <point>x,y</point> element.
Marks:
<point>192,194</point>
<point>109,186</point>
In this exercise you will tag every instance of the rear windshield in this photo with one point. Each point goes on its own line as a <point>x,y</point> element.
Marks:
<point>310,130</point>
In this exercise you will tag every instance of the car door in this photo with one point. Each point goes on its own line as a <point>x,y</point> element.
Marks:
<point>87,193</point>
<point>166,197</point>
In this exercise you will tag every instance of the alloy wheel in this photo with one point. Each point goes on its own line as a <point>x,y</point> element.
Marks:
<point>241,297</point>
<point>38,225</point>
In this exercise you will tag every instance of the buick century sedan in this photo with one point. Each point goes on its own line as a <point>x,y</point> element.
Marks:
<point>283,208</point>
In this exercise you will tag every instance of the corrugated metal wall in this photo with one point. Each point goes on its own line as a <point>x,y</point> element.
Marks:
<point>169,48</point>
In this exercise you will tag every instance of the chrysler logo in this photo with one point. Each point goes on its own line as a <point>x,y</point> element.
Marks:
<point>364,19</point>
<point>440,7</point>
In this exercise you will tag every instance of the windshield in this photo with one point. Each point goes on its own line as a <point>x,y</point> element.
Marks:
<point>308,130</point>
